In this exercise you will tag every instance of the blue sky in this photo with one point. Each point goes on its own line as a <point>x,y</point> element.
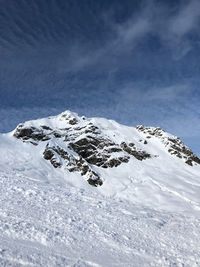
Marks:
<point>136,62</point>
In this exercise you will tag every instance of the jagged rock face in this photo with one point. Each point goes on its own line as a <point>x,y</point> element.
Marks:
<point>99,151</point>
<point>59,157</point>
<point>150,131</point>
<point>131,149</point>
<point>32,133</point>
<point>174,145</point>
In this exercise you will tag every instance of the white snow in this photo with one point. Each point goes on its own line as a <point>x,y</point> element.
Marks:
<point>146,213</point>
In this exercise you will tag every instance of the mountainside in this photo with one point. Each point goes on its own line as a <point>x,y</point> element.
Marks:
<point>70,182</point>
<point>107,154</point>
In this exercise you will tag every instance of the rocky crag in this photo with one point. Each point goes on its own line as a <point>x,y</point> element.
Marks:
<point>78,145</point>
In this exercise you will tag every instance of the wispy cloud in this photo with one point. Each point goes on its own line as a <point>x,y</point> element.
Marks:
<point>125,37</point>
<point>127,34</point>
<point>179,28</point>
<point>186,19</point>
<point>173,27</point>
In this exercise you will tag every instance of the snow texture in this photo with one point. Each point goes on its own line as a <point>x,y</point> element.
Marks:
<point>146,212</point>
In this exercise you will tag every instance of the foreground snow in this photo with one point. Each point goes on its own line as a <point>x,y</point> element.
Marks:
<point>45,224</point>
<point>146,213</point>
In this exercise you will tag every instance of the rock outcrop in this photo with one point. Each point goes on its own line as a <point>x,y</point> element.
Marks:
<point>173,144</point>
<point>78,145</point>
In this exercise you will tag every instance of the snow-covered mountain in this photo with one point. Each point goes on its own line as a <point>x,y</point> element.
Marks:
<point>144,163</point>
<point>96,163</point>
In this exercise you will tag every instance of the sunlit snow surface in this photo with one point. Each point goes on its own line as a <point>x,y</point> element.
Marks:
<point>147,213</point>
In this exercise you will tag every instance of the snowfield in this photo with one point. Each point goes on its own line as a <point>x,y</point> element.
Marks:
<point>146,213</point>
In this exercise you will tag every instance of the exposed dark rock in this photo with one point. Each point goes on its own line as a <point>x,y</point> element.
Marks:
<point>34,143</point>
<point>65,129</point>
<point>97,150</point>
<point>33,133</point>
<point>92,129</point>
<point>48,154</point>
<point>46,127</point>
<point>57,135</point>
<point>73,121</point>
<point>180,150</point>
<point>175,146</point>
<point>113,163</point>
<point>113,149</point>
<point>95,182</point>
<point>55,163</point>
<point>158,132</point>
<point>124,159</point>
<point>195,158</point>
<point>189,162</point>
<point>131,144</point>
<point>138,154</point>
<point>74,164</point>
<point>23,132</point>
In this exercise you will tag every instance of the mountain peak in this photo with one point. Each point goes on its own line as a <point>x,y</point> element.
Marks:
<point>86,146</point>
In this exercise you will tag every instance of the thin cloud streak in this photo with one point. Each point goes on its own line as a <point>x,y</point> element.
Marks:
<point>186,20</point>
<point>171,29</point>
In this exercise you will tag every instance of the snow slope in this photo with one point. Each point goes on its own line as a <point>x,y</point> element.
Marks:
<point>146,211</point>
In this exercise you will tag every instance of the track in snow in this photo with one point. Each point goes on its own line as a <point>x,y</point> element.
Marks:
<point>43,224</point>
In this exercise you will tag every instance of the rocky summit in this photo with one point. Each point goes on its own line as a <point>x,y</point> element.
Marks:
<point>82,145</point>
